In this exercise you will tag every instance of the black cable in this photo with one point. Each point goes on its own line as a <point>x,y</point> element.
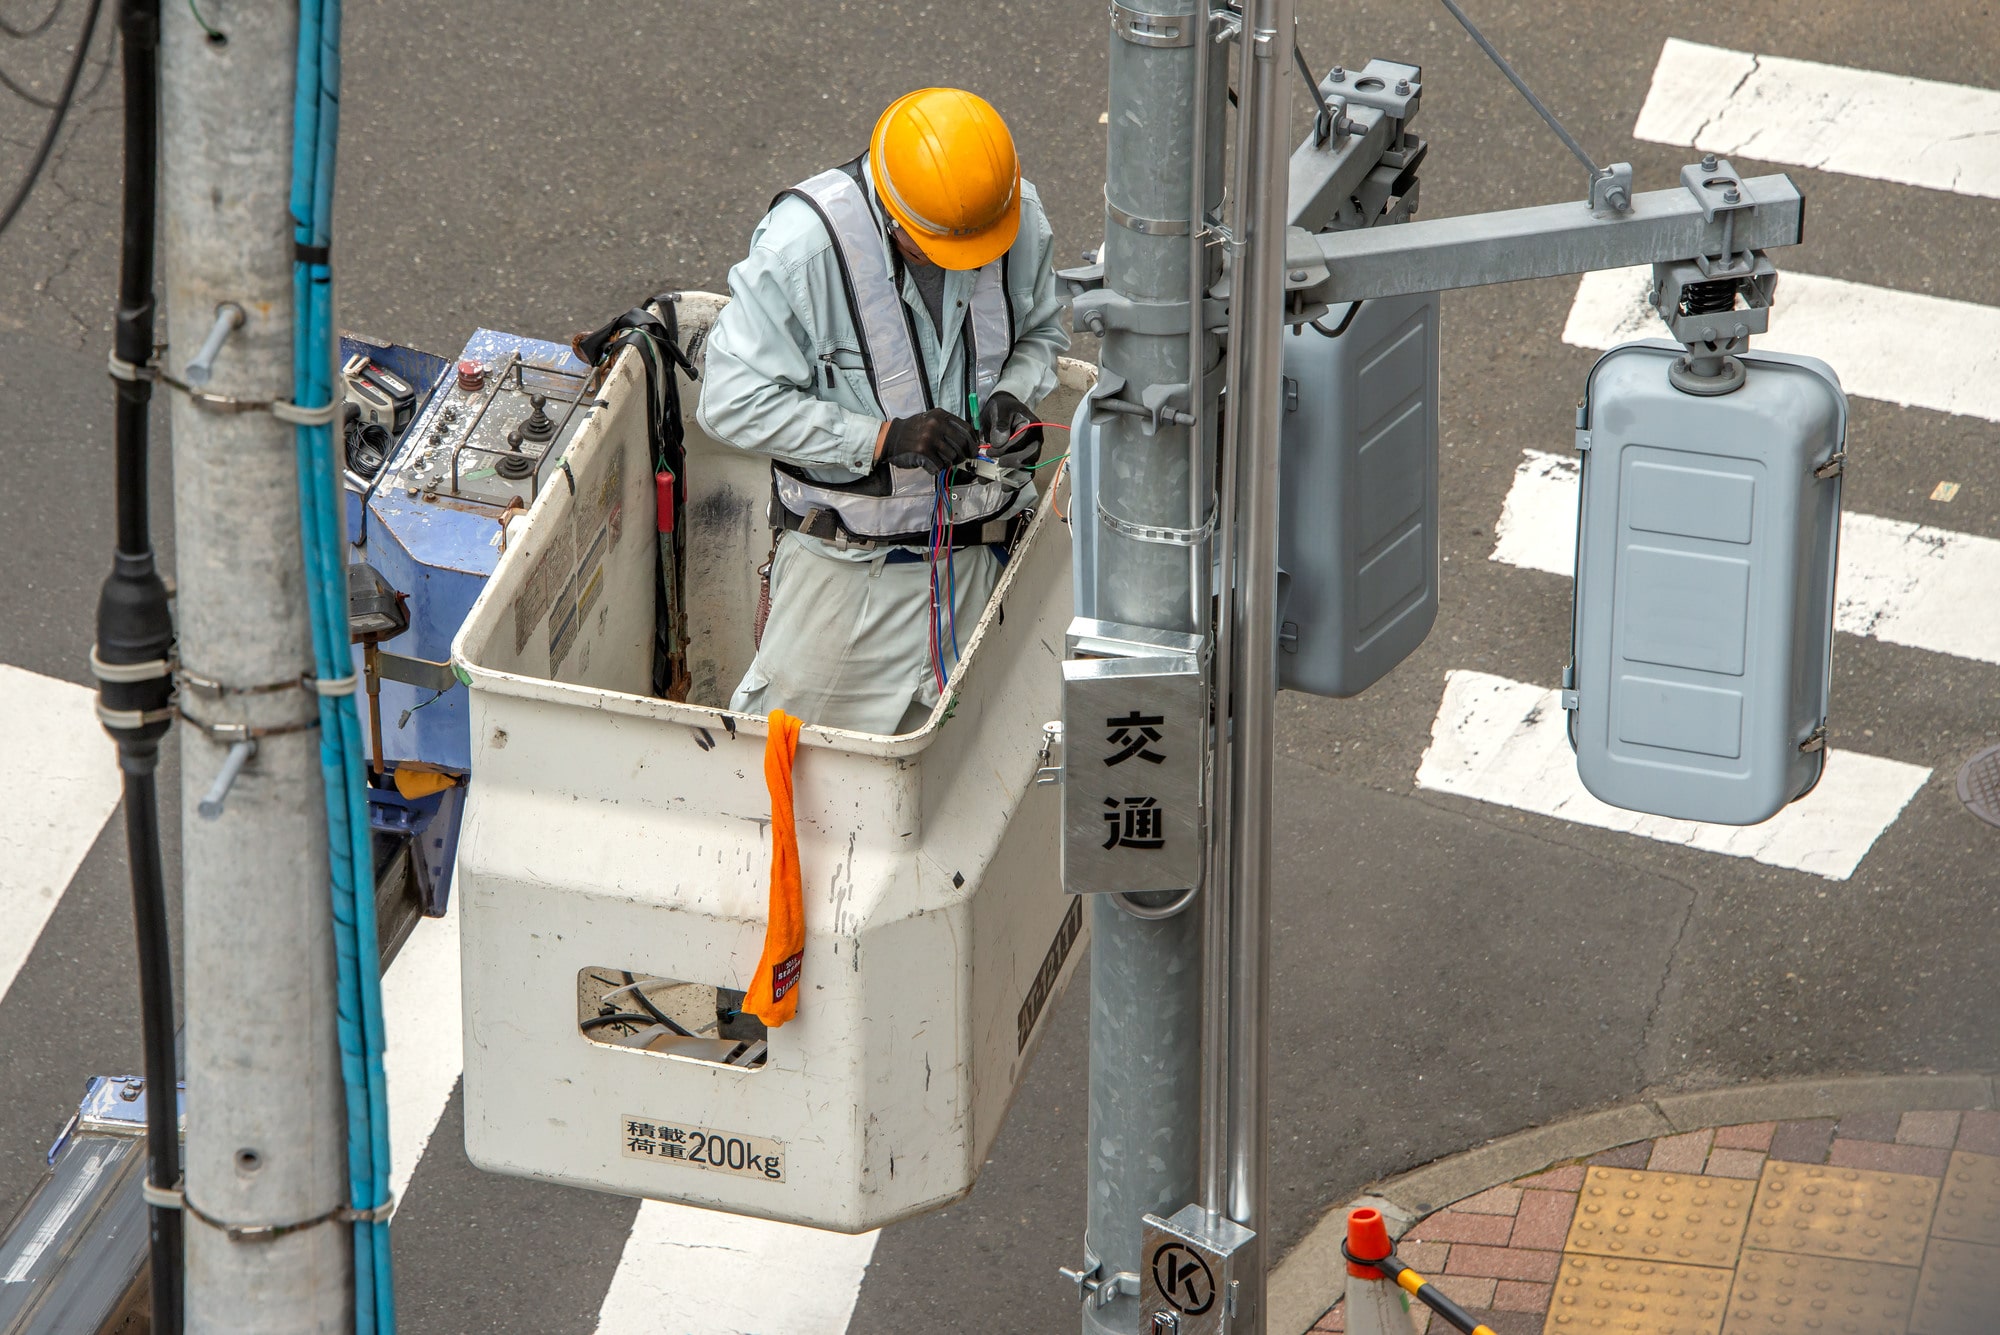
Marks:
<point>135,637</point>
<point>1323,116</point>
<point>156,990</point>
<point>1353,309</point>
<point>617,1017</point>
<point>32,99</point>
<point>56,118</point>
<point>103,67</point>
<point>646,1004</point>
<point>38,29</point>
<point>49,104</point>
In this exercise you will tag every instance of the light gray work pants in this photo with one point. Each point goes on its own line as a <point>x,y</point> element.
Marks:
<point>847,644</point>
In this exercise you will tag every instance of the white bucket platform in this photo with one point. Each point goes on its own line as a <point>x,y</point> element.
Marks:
<point>609,832</point>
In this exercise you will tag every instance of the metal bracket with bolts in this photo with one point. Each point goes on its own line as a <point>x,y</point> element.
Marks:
<point>240,754</point>
<point>229,318</point>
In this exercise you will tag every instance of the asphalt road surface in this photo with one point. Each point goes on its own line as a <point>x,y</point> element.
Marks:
<point>1449,967</point>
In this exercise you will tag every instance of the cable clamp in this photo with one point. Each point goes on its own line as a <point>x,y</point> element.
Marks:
<point>164,1198</point>
<point>175,1198</point>
<point>1132,222</point>
<point>225,404</point>
<point>208,686</point>
<point>1143,29</point>
<point>332,685</point>
<point>229,734</point>
<point>259,1232</point>
<point>123,370</point>
<point>128,720</point>
<point>381,1214</point>
<point>1164,536</point>
<point>125,673</point>
<point>298,416</point>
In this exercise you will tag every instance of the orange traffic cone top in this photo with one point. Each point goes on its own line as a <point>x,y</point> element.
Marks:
<point>1367,1240</point>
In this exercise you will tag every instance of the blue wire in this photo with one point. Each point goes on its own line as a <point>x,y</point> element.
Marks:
<point>343,764</point>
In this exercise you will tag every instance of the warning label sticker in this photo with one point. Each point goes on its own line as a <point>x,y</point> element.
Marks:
<point>539,590</point>
<point>720,1151</point>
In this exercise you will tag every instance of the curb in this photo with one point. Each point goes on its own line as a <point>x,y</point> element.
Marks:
<point>1311,1277</point>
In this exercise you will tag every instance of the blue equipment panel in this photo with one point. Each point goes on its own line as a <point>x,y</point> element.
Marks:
<point>1703,626</point>
<point>433,525</point>
<point>425,370</point>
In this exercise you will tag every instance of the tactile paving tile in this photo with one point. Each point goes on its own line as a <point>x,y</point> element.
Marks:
<point>1779,1294</point>
<point>1670,1217</point>
<point>1959,1290</point>
<point>1845,1213</point>
<point>1597,1295</point>
<point>1968,1207</point>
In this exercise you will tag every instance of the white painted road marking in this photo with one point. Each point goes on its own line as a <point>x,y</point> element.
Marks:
<point>1944,136</point>
<point>700,1272</point>
<point>1928,588</point>
<point>66,786</point>
<point>1950,364</point>
<point>1507,743</point>
<point>421,1010</point>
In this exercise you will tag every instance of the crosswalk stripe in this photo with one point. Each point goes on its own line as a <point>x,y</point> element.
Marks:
<point>1899,582</point>
<point>1943,136</point>
<point>421,1013</point>
<point>700,1272</point>
<point>1507,743</point>
<point>1948,360</point>
<point>66,787</point>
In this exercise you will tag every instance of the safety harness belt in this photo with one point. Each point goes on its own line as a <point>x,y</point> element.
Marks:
<point>893,506</point>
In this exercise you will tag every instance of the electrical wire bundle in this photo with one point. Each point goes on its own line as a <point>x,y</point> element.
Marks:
<point>941,543</point>
<point>343,761</point>
<point>944,620</point>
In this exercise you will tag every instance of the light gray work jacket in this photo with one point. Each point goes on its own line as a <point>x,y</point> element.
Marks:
<point>785,375</point>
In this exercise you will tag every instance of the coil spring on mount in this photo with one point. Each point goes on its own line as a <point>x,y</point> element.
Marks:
<point>1708,298</point>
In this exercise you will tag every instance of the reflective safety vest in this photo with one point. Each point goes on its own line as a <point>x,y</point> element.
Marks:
<point>894,506</point>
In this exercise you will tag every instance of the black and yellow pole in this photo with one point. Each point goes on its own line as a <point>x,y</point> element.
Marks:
<point>1427,1293</point>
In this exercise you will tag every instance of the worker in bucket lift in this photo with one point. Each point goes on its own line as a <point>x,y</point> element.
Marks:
<point>884,340</point>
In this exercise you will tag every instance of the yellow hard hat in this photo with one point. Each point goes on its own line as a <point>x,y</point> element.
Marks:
<point>945,168</point>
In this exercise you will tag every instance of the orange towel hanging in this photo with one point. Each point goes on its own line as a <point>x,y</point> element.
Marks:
<point>773,996</point>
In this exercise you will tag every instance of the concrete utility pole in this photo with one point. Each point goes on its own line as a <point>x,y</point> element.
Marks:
<point>266,1137</point>
<point>1156,480</point>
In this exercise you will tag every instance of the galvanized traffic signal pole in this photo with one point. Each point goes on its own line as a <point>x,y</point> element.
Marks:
<point>1176,517</point>
<point>1157,415</point>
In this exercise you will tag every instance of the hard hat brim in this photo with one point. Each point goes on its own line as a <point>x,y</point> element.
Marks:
<point>972,250</point>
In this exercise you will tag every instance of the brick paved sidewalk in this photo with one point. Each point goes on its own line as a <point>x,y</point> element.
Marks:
<point>1874,1224</point>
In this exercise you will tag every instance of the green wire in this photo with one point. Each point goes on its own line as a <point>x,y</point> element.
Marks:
<point>213,35</point>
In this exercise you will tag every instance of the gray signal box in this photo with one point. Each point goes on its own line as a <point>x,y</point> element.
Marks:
<point>1703,627</point>
<point>1358,496</point>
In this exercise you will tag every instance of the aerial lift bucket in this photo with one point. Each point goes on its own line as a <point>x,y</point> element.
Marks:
<point>615,861</point>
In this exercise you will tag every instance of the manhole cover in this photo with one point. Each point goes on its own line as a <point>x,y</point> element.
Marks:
<point>1979,785</point>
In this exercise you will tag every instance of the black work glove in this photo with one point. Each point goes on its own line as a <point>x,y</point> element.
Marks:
<point>1000,419</point>
<point>934,441</point>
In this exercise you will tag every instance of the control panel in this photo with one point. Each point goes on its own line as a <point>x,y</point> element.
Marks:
<point>497,426</point>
